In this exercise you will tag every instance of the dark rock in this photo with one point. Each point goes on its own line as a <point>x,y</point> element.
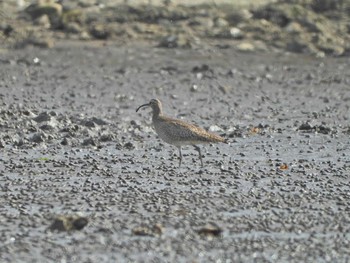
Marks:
<point>52,10</point>
<point>107,137</point>
<point>17,141</point>
<point>99,31</point>
<point>326,5</point>
<point>89,123</point>
<point>235,17</point>
<point>99,121</point>
<point>203,71</point>
<point>76,16</point>
<point>93,122</point>
<point>210,230</point>
<point>6,29</point>
<point>80,222</point>
<point>47,127</point>
<point>73,27</point>
<point>220,22</point>
<point>129,146</point>
<point>202,68</point>
<point>38,137</point>
<point>296,46</point>
<point>305,127</point>
<point>70,129</point>
<point>68,223</point>
<point>323,129</point>
<point>65,141</point>
<point>44,116</point>
<point>89,141</point>
<point>43,21</point>
<point>174,41</point>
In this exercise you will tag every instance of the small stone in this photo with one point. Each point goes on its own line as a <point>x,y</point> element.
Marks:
<point>210,230</point>
<point>99,121</point>
<point>89,141</point>
<point>65,141</point>
<point>220,22</point>
<point>6,29</point>
<point>99,31</point>
<point>305,127</point>
<point>225,89</point>
<point>239,16</point>
<point>84,35</point>
<point>129,146</point>
<point>296,46</point>
<point>42,42</point>
<point>201,68</point>
<point>43,21</point>
<point>194,88</point>
<point>155,230</point>
<point>86,3</point>
<point>215,128</point>
<point>79,223</point>
<point>44,116</point>
<point>236,33</point>
<point>46,127</point>
<point>323,129</point>
<point>89,123</point>
<point>38,137</point>
<point>173,41</point>
<point>294,27</point>
<point>52,10</point>
<point>17,141</point>
<point>73,27</point>
<point>107,137</point>
<point>93,122</point>
<point>68,223</point>
<point>245,47</point>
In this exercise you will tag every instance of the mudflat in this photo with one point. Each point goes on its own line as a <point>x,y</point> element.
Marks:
<point>73,145</point>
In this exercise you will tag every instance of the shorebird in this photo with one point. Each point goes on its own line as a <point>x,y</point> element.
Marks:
<point>178,132</point>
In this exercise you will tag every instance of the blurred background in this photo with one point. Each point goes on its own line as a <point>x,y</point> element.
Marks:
<point>318,27</point>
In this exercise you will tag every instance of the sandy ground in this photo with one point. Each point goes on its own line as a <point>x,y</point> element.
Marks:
<point>72,144</point>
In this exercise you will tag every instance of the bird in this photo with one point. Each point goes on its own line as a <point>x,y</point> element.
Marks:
<point>178,132</point>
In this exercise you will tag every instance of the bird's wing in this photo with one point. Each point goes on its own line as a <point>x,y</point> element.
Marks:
<point>183,131</point>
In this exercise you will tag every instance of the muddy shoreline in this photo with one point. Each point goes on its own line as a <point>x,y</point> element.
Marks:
<point>72,144</point>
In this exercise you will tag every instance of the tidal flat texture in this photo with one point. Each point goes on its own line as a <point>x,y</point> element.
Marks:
<point>73,146</point>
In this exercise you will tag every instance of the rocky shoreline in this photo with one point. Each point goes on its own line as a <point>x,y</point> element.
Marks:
<point>300,26</point>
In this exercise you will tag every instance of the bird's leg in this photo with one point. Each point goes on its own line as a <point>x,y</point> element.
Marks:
<point>199,152</point>
<point>180,156</point>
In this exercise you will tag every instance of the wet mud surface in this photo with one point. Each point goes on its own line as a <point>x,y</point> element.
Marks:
<point>72,144</point>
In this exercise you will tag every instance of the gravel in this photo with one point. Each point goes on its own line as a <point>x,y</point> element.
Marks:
<point>72,146</point>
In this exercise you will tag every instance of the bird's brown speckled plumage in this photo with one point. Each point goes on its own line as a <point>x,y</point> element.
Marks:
<point>178,132</point>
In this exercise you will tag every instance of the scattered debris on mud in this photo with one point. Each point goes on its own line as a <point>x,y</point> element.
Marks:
<point>71,143</point>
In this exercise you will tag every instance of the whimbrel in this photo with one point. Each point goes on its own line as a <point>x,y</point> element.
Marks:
<point>178,132</point>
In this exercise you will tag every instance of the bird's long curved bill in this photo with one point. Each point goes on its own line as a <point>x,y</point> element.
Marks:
<point>144,105</point>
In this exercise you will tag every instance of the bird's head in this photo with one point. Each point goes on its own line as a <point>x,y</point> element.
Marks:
<point>155,104</point>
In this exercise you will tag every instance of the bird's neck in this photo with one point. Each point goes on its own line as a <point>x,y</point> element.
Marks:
<point>157,113</point>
